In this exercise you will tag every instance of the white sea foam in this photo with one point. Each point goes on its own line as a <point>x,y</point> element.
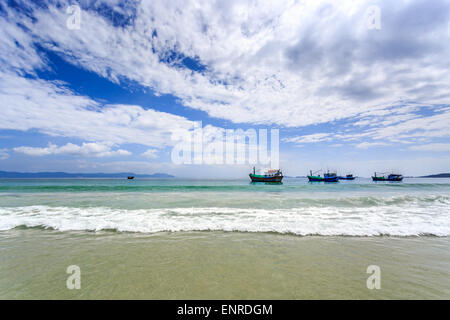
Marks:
<point>396,220</point>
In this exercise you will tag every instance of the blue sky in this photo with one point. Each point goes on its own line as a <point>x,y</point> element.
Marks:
<point>345,94</point>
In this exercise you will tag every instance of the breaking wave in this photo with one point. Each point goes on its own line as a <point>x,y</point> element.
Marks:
<point>359,216</point>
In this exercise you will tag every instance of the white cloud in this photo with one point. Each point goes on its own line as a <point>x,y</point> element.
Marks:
<point>4,154</point>
<point>86,150</point>
<point>432,147</point>
<point>17,48</point>
<point>433,126</point>
<point>366,145</point>
<point>403,125</point>
<point>310,138</point>
<point>150,153</point>
<point>288,63</point>
<point>54,110</point>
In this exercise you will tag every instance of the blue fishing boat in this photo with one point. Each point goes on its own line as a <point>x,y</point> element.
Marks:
<point>347,177</point>
<point>390,177</point>
<point>330,177</point>
<point>327,177</point>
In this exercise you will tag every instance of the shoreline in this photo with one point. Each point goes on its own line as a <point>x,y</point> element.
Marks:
<point>107,231</point>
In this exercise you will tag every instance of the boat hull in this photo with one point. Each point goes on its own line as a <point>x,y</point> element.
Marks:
<point>346,178</point>
<point>265,178</point>
<point>387,179</point>
<point>321,179</point>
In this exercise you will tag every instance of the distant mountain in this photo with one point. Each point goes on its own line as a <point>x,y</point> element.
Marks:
<point>440,175</point>
<point>6,174</point>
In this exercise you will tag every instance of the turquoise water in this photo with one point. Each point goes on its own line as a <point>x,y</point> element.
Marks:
<point>354,208</point>
<point>173,185</point>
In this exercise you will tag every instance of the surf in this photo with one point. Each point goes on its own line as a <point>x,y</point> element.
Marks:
<point>406,219</point>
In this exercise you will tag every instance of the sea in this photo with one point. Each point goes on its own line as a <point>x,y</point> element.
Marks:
<point>225,239</point>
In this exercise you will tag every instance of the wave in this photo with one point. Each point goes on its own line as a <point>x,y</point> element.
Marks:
<point>270,201</point>
<point>408,219</point>
<point>364,201</point>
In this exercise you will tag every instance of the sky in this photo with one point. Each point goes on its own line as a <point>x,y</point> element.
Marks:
<point>352,86</point>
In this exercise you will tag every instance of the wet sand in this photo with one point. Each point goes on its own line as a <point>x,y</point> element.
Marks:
<point>219,265</point>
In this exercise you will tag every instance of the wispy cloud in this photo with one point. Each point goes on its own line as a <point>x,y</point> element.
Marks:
<point>150,153</point>
<point>438,147</point>
<point>310,138</point>
<point>4,154</point>
<point>85,150</point>
<point>366,145</point>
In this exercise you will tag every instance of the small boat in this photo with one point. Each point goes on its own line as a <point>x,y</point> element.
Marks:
<point>390,177</point>
<point>327,177</point>
<point>347,177</point>
<point>273,175</point>
<point>130,177</point>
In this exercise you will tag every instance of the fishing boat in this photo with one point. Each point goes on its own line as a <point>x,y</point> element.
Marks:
<point>327,177</point>
<point>272,175</point>
<point>314,177</point>
<point>390,177</point>
<point>347,177</point>
<point>130,177</point>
